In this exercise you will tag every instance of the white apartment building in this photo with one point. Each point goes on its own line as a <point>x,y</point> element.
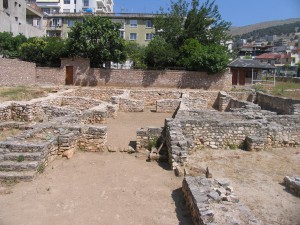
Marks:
<point>74,6</point>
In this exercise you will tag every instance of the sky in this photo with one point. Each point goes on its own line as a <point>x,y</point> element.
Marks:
<point>238,12</point>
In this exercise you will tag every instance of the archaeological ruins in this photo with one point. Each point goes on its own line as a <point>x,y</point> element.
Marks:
<point>209,117</point>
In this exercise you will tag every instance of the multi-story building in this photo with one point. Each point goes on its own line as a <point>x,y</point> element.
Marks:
<point>19,18</point>
<point>134,27</point>
<point>73,6</point>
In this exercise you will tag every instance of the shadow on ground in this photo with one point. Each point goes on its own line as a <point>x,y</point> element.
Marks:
<point>182,212</point>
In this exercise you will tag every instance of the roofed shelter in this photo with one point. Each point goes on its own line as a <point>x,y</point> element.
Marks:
<point>247,68</point>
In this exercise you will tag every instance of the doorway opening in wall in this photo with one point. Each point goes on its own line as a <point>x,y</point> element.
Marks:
<point>69,75</point>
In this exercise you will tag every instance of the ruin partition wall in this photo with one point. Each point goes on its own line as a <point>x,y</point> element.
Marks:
<point>279,105</point>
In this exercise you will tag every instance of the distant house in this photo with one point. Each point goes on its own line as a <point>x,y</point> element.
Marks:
<point>242,69</point>
<point>275,59</point>
<point>254,50</point>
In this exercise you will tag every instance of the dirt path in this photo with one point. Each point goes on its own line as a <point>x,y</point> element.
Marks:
<point>100,188</point>
<point>97,188</point>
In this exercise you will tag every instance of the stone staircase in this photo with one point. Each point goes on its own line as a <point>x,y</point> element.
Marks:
<point>20,162</point>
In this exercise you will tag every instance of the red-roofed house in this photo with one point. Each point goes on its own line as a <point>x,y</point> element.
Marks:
<point>276,59</point>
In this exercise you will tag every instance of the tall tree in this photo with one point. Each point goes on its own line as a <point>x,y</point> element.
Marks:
<point>98,39</point>
<point>169,24</point>
<point>9,45</point>
<point>205,24</point>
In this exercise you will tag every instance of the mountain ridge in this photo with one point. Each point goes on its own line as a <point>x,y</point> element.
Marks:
<point>234,31</point>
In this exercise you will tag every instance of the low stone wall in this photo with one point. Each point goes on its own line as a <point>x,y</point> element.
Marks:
<point>292,184</point>
<point>212,201</point>
<point>131,105</point>
<point>92,139</point>
<point>15,72</point>
<point>151,96</point>
<point>144,135</point>
<point>167,105</point>
<point>280,105</point>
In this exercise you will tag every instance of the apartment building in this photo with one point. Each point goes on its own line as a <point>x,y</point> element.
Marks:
<point>134,27</point>
<point>19,18</point>
<point>75,6</point>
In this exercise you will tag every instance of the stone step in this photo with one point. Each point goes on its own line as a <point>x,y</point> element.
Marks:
<point>21,175</point>
<point>18,166</point>
<point>20,157</point>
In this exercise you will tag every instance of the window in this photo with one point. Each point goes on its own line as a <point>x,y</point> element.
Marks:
<point>56,22</point>
<point>149,37</point>
<point>71,23</point>
<point>46,10</point>
<point>149,24</point>
<point>122,34</point>
<point>133,36</point>
<point>5,4</point>
<point>86,3</point>
<point>66,1</point>
<point>66,10</point>
<point>133,23</point>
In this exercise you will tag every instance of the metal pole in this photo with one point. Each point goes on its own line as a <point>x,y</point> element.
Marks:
<point>274,78</point>
<point>252,77</point>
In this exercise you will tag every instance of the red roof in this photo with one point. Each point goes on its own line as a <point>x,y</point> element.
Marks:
<point>273,56</point>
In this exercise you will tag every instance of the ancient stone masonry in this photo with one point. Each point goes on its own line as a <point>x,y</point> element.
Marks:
<point>243,124</point>
<point>145,135</point>
<point>280,105</point>
<point>212,201</point>
<point>292,184</point>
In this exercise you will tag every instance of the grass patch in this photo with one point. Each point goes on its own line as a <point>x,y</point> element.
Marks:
<point>287,89</point>
<point>232,146</point>
<point>21,158</point>
<point>41,168</point>
<point>153,142</point>
<point>22,93</point>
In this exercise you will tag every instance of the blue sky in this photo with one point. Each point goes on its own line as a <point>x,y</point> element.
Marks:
<point>239,12</point>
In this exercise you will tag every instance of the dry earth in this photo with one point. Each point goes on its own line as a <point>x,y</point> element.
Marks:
<point>117,188</point>
<point>256,178</point>
<point>100,188</point>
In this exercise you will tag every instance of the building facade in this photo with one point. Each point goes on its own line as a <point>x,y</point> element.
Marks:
<point>134,27</point>
<point>75,6</point>
<point>17,17</point>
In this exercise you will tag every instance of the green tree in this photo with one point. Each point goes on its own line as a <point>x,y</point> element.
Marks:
<point>33,50</point>
<point>204,23</point>
<point>169,24</point>
<point>211,58</point>
<point>45,51</point>
<point>54,50</point>
<point>9,45</point>
<point>98,39</point>
<point>160,54</point>
<point>135,53</point>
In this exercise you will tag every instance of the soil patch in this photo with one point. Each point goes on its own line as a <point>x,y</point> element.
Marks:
<point>256,178</point>
<point>97,188</point>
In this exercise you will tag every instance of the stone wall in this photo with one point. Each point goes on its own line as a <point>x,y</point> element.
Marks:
<point>151,96</point>
<point>49,76</point>
<point>144,135</point>
<point>15,72</point>
<point>212,201</point>
<point>167,105</point>
<point>83,75</point>
<point>167,79</point>
<point>280,105</point>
